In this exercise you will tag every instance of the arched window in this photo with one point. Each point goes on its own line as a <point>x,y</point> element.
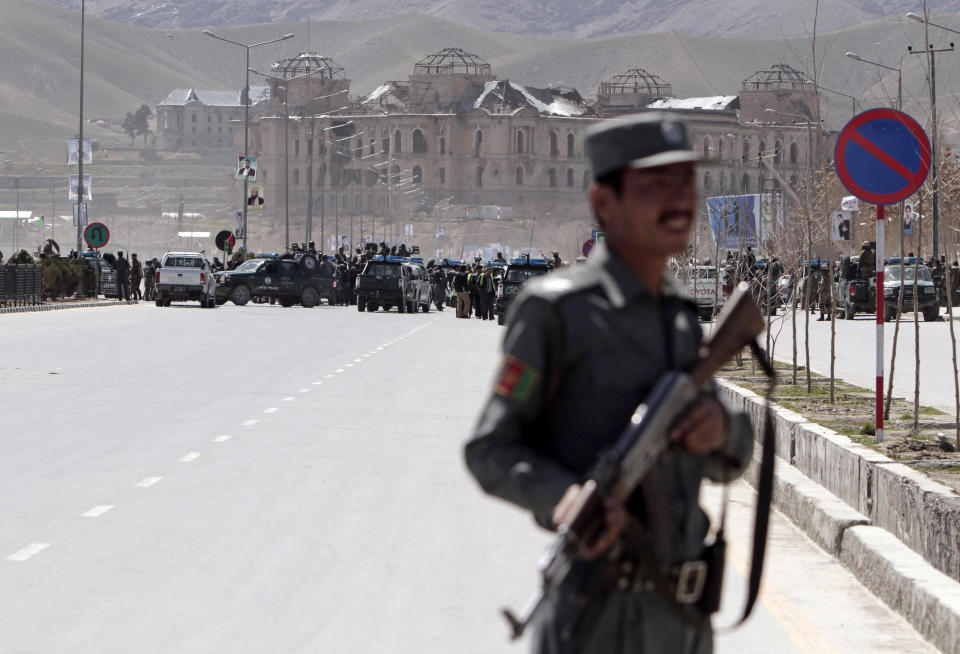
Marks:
<point>720,149</point>
<point>552,177</point>
<point>570,177</point>
<point>520,142</point>
<point>586,179</point>
<point>417,175</point>
<point>763,149</point>
<point>519,174</point>
<point>723,181</point>
<point>746,150</point>
<point>395,175</point>
<point>397,142</point>
<point>793,153</point>
<point>554,145</point>
<point>793,180</point>
<point>479,180</point>
<point>706,147</point>
<point>358,152</point>
<point>443,145</point>
<point>745,183</point>
<point>373,146</point>
<point>570,143</point>
<point>478,143</point>
<point>419,142</point>
<point>707,180</point>
<point>779,152</point>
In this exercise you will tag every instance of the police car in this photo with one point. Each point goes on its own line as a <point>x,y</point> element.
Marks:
<point>519,272</point>
<point>301,280</point>
<point>392,281</point>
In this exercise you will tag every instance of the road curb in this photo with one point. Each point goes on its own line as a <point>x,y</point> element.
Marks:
<point>905,519</point>
<point>64,305</point>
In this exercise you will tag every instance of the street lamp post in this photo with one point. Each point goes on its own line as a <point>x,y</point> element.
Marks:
<point>246,113</point>
<point>934,156</point>
<point>853,100</point>
<point>83,11</point>
<point>898,71</point>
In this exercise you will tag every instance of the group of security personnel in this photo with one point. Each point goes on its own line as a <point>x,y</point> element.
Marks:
<point>476,288</point>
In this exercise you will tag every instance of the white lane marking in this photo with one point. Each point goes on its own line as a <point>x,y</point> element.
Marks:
<point>367,356</point>
<point>28,551</point>
<point>222,439</point>
<point>189,456</point>
<point>339,370</point>
<point>317,383</point>
<point>149,481</point>
<point>349,365</point>
<point>379,348</point>
<point>272,409</point>
<point>97,511</point>
<point>358,360</point>
<point>250,423</point>
<point>290,399</point>
<point>304,390</point>
<point>328,376</point>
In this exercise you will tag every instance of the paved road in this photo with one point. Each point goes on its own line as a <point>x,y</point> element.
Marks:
<point>266,480</point>
<point>856,347</point>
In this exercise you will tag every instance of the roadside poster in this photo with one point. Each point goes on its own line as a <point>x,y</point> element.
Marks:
<point>909,218</point>
<point>850,203</point>
<point>247,168</point>
<point>80,215</point>
<point>840,225</point>
<point>73,146</point>
<point>255,199</point>
<point>238,230</point>
<point>733,220</point>
<point>87,183</point>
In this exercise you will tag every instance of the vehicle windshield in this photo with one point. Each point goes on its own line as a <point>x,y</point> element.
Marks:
<point>249,266</point>
<point>383,270</point>
<point>905,273</point>
<point>705,273</point>
<point>183,262</point>
<point>523,274</point>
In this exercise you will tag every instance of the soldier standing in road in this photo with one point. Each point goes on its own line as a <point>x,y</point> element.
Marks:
<point>123,277</point>
<point>584,347</point>
<point>487,288</point>
<point>149,278</point>
<point>136,276</point>
<point>868,262</point>
<point>824,297</point>
<point>460,285</point>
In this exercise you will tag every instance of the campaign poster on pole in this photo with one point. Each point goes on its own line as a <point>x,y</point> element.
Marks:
<point>247,168</point>
<point>73,147</point>
<point>840,225</point>
<point>255,200</point>
<point>87,183</point>
<point>733,220</point>
<point>909,217</point>
<point>238,230</point>
<point>80,215</point>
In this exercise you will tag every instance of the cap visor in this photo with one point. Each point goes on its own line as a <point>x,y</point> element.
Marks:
<point>671,157</point>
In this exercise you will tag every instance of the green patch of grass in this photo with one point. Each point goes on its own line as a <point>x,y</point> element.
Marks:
<point>868,429</point>
<point>930,411</point>
<point>906,416</point>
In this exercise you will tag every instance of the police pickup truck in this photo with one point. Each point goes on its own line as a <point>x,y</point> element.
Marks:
<point>853,293</point>
<point>702,284</point>
<point>390,281</point>
<point>903,273</point>
<point>292,280</point>
<point>185,276</point>
<point>519,272</point>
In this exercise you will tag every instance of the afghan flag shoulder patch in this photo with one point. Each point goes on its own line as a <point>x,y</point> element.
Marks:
<point>517,380</point>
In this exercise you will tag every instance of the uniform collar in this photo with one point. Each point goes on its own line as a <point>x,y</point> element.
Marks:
<point>621,285</point>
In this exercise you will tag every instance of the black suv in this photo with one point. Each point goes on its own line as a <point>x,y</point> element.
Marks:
<point>519,272</point>
<point>302,280</point>
<point>903,273</point>
<point>388,282</point>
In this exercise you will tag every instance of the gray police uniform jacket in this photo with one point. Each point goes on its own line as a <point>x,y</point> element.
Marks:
<point>584,347</point>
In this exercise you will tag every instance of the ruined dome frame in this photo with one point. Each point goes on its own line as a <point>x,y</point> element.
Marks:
<point>776,78</point>
<point>309,65</point>
<point>636,80</point>
<point>450,61</point>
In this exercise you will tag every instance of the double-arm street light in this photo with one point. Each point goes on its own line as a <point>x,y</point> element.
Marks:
<point>246,111</point>
<point>934,156</point>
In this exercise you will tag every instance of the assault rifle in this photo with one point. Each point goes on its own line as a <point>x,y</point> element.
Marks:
<point>645,438</point>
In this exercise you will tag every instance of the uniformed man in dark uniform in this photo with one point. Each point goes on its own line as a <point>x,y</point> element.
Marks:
<point>584,347</point>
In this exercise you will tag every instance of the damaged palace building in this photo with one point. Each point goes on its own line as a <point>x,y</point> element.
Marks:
<point>454,133</point>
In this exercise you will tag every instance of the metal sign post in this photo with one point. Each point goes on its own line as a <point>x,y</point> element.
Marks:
<point>882,156</point>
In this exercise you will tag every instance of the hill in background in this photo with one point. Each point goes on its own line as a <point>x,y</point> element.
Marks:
<point>752,19</point>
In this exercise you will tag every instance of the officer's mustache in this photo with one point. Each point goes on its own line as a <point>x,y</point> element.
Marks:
<point>667,216</point>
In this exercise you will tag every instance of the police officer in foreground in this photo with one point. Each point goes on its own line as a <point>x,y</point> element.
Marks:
<point>584,347</point>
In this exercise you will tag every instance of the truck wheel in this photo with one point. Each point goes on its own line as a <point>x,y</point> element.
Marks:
<point>930,314</point>
<point>166,302</point>
<point>286,301</point>
<point>159,300</point>
<point>402,306</point>
<point>501,319</point>
<point>849,312</point>
<point>361,304</point>
<point>241,295</point>
<point>309,297</point>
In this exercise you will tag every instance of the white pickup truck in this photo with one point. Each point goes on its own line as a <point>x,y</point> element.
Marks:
<point>185,276</point>
<point>702,284</point>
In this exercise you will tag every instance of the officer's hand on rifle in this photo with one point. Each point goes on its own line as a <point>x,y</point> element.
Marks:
<point>703,428</point>
<point>614,516</point>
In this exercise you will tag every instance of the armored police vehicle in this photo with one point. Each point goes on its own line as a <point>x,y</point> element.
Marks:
<point>519,272</point>
<point>905,274</point>
<point>104,274</point>
<point>389,281</point>
<point>854,295</point>
<point>302,280</point>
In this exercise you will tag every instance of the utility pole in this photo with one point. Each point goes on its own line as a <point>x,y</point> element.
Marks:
<point>83,11</point>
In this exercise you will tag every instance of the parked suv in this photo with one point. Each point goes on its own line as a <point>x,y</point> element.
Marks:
<point>903,273</point>
<point>302,280</point>
<point>388,282</point>
<point>185,276</point>
<point>519,272</point>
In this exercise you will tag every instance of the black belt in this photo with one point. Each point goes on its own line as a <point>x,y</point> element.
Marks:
<point>683,582</point>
